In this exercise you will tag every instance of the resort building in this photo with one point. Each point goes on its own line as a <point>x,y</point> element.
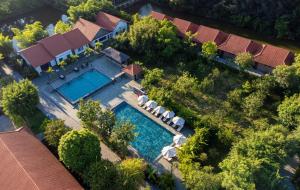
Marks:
<point>27,164</point>
<point>58,47</point>
<point>133,71</point>
<point>106,26</point>
<point>266,57</point>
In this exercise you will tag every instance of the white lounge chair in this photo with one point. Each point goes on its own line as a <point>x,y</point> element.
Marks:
<point>173,125</point>
<point>161,116</point>
<point>169,122</point>
<point>179,128</point>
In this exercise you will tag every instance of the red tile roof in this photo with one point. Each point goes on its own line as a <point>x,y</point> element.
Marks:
<point>26,164</point>
<point>133,69</point>
<point>55,44</point>
<point>207,34</point>
<point>88,28</point>
<point>160,16</point>
<point>184,26</point>
<point>76,38</point>
<point>236,44</point>
<point>273,56</point>
<point>37,55</point>
<point>107,21</point>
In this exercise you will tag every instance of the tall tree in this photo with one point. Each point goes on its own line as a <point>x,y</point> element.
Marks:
<point>209,49</point>
<point>6,47</point>
<point>54,130</point>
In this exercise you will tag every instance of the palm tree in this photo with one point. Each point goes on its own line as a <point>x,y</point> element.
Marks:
<point>49,71</point>
<point>62,64</point>
<point>98,47</point>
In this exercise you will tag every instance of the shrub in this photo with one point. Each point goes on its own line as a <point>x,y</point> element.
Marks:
<point>54,130</point>
<point>244,60</point>
<point>78,149</point>
<point>152,77</point>
<point>289,111</point>
<point>166,182</point>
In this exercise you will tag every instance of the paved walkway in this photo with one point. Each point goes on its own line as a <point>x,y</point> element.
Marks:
<point>48,106</point>
<point>5,124</point>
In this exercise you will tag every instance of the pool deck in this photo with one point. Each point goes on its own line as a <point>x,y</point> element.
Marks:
<point>112,95</point>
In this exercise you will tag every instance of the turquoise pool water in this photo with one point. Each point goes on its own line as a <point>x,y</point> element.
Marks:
<point>151,137</point>
<point>83,85</point>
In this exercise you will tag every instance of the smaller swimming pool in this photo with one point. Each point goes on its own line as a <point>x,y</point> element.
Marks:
<point>83,85</point>
<point>151,137</point>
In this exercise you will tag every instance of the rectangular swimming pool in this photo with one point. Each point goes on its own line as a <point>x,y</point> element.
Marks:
<point>83,85</point>
<point>151,137</point>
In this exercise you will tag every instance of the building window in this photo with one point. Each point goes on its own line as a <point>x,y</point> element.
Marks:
<point>102,38</point>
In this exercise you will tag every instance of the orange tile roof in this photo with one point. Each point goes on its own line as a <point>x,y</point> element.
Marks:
<point>76,38</point>
<point>208,34</point>
<point>236,44</point>
<point>273,56</point>
<point>26,164</point>
<point>55,44</point>
<point>133,69</point>
<point>160,16</point>
<point>88,28</point>
<point>184,26</point>
<point>107,21</point>
<point>37,55</point>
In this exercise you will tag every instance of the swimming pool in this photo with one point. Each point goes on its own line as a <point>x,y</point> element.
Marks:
<point>151,137</point>
<point>83,85</point>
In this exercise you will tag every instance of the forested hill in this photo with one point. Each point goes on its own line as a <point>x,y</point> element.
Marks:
<point>279,18</point>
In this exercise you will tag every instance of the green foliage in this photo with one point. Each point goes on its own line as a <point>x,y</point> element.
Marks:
<point>132,173</point>
<point>98,47</point>
<point>254,162</point>
<point>209,50</point>
<point>122,134</point>
<point>253,103</point>
<point>96,119</point>
<point>244,60</point>
<point>89,9</point>
<point>152,77</point>
<point>289,111</point>
<point>166,182</point>
<point>20,99</point>
<point>186,84</point>
<point>78,149</point>
<point>162,96</point>
<point>88,52</point>
<point>102,175</point>
<point>54,130</point>
<point>30,34</point>
<point>62,27</point>
<point>5,46</point>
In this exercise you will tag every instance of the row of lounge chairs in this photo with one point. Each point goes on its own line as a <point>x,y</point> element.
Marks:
<point>165,115</point>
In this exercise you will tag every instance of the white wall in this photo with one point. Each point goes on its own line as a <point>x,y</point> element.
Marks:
<point>77,50</point>
<point>63,55</point>
<point>121,26</point>
<point>38,70</point>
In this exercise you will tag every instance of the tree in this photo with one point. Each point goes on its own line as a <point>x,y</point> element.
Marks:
<point>88,52</point>
<point>289,111</point>
<point>62,27</point>
<point>186,84</point>
<point>254,161</point>
<point>96,119</point>
<point>20,99</point>
<point>88,9</point>
<point>102,175</point>
<point>6,47</point>
<point>288,77</point>
<point>152,77</point>
<point>54,130</point>
<point>30,34</point>
<point>209,49</point>
<point>162,96</point>
<point>132,173</point>
<point>253,103</point>
<point>98,47</point>
<point>122,134</point>
<point>78,149</point>
<point>244,60</point>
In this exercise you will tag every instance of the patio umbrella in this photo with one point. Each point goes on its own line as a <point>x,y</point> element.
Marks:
<point>159,110</point>
<point>168,152</point>
<point>168,114</point>
<point>151,104</point>
<point>179,140</point>
<point>142,99</point>
<point>178,121</point>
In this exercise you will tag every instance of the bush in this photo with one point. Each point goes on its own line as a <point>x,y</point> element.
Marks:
<point>244,60</point>
<point>162,96</point>
<point>289,111</point>
<point>78,149</point>
<point>54,130</point>
<point>152,77</point>
<point>166,182</point>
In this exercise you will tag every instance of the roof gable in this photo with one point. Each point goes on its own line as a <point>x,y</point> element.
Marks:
<point>55,44</point>
<point>107,21</point>
<point>88,28</point>
<point>27,164</point>
<point>207,34</point>
<point>184,26</point>
<point>133,69</point>
<point>274,56</point>
<point>37,55</point>
<point>76,38</point>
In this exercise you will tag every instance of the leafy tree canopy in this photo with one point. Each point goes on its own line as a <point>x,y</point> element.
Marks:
<point>54,130</point>
<point>244,60</point>
<point>289,111</point>
<point>62,27</point>
<point>5,45</point>
<point>209,49</point>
